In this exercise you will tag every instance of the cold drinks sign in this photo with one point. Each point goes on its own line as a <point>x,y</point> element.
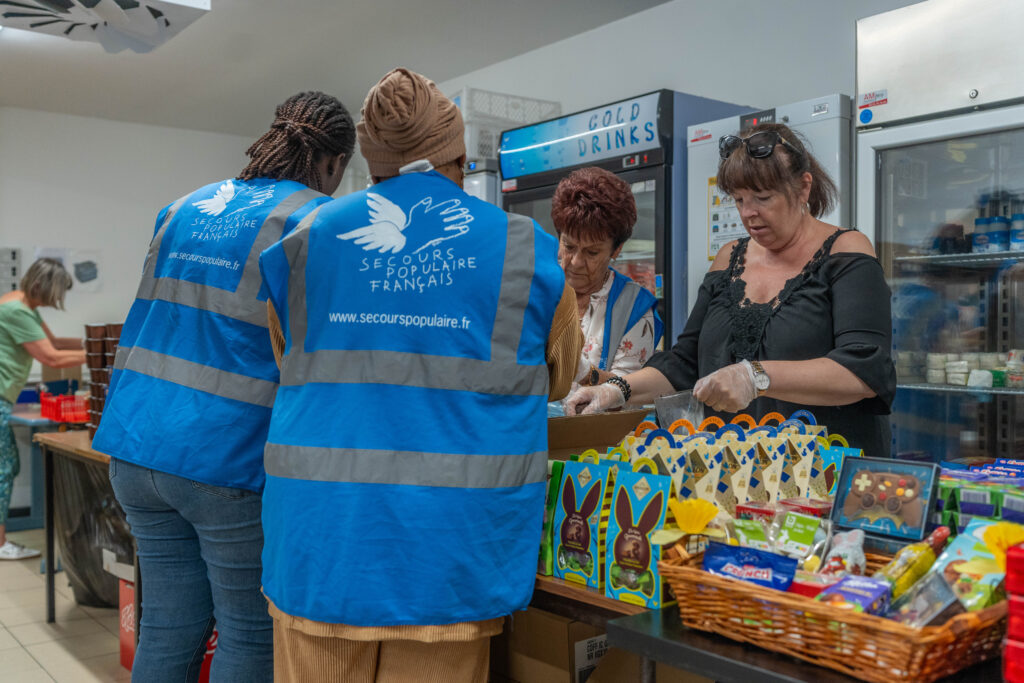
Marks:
<point>605,133</point>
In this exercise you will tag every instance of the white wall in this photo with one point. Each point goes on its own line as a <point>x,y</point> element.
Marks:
<point>756,53</point>
<point>82,183</point>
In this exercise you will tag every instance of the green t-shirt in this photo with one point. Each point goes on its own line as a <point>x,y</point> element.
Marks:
<point>19,324</point>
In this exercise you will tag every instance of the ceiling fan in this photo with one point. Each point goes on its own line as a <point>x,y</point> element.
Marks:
<point>138,25</point>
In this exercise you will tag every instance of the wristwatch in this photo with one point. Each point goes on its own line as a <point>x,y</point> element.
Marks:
<point>593,376</point>
<point>761,379</point>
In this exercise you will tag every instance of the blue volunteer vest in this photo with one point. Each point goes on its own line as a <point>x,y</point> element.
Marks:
<point>407,455</point>
<point>628,302</point>
<point>194,378</point>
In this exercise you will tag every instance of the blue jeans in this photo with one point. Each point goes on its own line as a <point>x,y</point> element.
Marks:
<point>199,554</point>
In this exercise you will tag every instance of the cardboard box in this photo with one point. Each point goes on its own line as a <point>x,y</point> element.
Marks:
<point>572,435</point>
<point>57,374</point>
<point>540,647</point>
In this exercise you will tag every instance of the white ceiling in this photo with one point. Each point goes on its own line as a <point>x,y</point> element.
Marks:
<point>227,71</point>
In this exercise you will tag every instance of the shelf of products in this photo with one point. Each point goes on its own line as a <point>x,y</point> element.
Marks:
<point>953,389</point>
<point>984,259</point>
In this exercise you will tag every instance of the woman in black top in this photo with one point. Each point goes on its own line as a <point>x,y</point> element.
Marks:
<point>797,315</point>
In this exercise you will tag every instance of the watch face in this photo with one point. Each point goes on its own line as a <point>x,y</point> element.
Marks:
<point>761,381</point>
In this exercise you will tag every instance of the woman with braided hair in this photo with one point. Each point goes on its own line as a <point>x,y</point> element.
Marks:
<point>190,397</point>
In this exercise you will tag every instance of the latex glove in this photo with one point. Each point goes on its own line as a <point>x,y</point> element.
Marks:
<point>590,400</point>
<point>729,389</point>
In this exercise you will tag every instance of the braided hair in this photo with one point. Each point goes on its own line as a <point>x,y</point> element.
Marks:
<point>307,127</point>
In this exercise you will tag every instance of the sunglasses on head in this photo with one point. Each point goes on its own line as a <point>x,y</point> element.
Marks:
<point>759,145</point>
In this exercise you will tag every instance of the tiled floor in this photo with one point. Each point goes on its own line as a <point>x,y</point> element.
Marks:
<point>81,647</point>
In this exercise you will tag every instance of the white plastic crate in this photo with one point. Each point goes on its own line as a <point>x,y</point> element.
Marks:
<point>483,104</point>
<point>487,113</point>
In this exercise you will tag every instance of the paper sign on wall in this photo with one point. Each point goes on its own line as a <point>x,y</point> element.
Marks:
<point>724,224</point>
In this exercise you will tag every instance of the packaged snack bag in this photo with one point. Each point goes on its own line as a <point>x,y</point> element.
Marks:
<point>929,602</point>
<point>754,510</point>
<point>771,455</point>
<point>745,455</point>
<point>803,448</point>
<point>846,556</point>
<point>980,499</point>
<point>1012,508</point>
<point>579,531</point>
<point>799,536</point>
<point>811,584</point>
<point>788,487</point>
<point>859,594</point>
<point>807,506</point>
<point>546,561</point>
<point>705,476</point>
<point>757,491</point>
<point>725,494</point>
<point>747,564</point>
<point>811,425</point>
<point>913,562</point>
<point>752,533</point>
<point>639,504</point>
<point>970,568</point>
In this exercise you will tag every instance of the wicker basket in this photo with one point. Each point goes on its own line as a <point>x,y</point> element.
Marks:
<point>868,647</point>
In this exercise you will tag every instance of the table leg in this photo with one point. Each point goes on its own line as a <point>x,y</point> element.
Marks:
<point>49,523</point>
<point>648,670</point>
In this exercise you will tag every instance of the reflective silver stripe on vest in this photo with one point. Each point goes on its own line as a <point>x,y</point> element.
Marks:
<point>197,376</point>
<point>416,370</point>
<point>296,250</point>
<point>404,468</point>
<point>240,304</point>
<point>620,313</point>
<point>516,277</point>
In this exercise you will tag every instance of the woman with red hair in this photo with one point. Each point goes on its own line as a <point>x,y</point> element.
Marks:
<point>594,213</point>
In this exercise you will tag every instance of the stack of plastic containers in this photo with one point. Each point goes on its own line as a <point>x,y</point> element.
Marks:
<point>100,346</point>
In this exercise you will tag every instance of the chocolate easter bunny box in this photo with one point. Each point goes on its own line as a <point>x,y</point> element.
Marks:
<point>638,506</point>
<point>580,522</point>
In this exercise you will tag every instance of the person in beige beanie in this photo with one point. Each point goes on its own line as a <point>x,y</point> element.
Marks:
<point>405,119</point>
<point>398,552</point>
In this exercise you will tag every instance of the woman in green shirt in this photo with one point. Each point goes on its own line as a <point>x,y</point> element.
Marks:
<point>23,337</point>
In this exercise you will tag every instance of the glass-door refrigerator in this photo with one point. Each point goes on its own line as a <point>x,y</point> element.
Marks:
<point>642,140</point>
<point>940,189</point>
<point>946,200</point>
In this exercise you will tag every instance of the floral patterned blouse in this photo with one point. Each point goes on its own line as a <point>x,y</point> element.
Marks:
<point>634,350</point>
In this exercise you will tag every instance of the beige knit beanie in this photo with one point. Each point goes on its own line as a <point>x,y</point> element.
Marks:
<point>406,118</point>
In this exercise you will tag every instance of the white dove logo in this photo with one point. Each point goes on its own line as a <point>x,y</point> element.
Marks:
<point>215,205</point>
<point>390,229</point>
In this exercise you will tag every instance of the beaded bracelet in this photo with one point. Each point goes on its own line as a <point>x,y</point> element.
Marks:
<point>622,384</point>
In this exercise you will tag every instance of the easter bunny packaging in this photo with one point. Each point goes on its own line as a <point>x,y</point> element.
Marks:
<point>580,523</point>
<point>639,504</point>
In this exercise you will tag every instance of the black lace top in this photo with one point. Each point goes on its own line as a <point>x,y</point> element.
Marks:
<point>837,307</point>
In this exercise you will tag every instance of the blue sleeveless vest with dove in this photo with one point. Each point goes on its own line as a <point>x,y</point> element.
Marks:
<point>194,378</point>
<point>407,455</point>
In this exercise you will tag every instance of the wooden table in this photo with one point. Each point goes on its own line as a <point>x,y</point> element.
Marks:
<point>75,445</point>
<point>579,603</point>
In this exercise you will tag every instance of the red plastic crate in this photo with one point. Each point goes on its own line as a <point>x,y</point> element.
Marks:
<point>1015,570</point>
<point>1013,661</point>
<point>1015,624</point>
<point>64,408</point>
